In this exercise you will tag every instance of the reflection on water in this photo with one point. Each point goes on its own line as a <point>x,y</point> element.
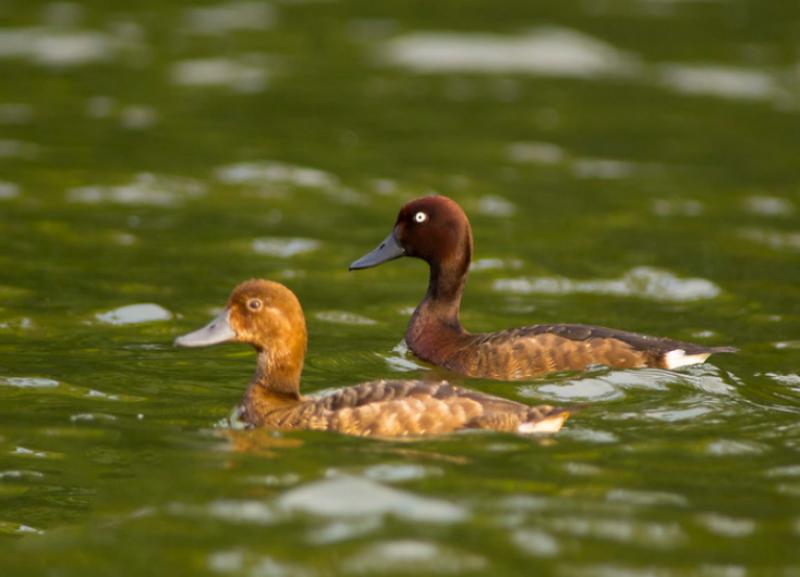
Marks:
<point>631,164</point>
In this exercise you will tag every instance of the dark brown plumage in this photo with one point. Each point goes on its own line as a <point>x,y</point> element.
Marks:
<point>435,229</point>
<point>268,316</point>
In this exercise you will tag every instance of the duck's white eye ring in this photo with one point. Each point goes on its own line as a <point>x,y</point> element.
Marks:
<point>254,304</point>
<point>420,217</point>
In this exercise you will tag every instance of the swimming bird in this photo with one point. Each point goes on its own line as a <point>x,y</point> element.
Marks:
<point>268,316</point>
<point>436,230</point>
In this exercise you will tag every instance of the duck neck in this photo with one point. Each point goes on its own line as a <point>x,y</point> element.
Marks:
<point>277,375</point>
<point>442,302</point>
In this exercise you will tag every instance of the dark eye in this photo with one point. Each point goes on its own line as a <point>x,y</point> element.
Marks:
<point>420,217</point>
<point>254,304</point>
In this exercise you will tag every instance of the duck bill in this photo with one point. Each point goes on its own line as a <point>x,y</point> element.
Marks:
<point>389,249</point>
<point>217,331</point>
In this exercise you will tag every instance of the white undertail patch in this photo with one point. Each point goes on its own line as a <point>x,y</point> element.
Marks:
<point>679,358</point>
<point>548,425</point>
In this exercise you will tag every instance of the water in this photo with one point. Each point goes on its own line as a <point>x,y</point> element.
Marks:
<point>624,163</point>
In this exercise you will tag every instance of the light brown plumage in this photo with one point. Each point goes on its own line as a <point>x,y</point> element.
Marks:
<point>268,316</point>
<point>436,230</point>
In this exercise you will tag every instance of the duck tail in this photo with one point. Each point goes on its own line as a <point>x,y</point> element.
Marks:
<point>550,422</point>
<point>683,357</point>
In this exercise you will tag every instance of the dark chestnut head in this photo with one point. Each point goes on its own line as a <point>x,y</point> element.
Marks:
<point>433,228</point>
<point>262,313</point>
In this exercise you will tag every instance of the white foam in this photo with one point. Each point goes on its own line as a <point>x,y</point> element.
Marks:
<point>603,168</point>
<point>643,282</point>
<point>551,51</point>
<point>246,74</point>
<point>134,314</point>
<point>284,247</point>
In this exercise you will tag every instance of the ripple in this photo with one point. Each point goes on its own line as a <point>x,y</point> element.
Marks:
<point>345,530</point>
<point>536,152</point>
<point>12,528</point>
<point>246,75</point>
<point>29,382</point>
<point>659,535</point>
<point>92,418</point>
<point>51,46</point>
<point>248,565</point>
<point>591,435</point>
<point>483,264</point>
<point>271,172</point>
<point>26,452</point>
<point>18,149</point>
<point>727,526</point>
<point>493,205</point>
<point>769,206</point>
<point>134,314</point>
<point>726,447</point>
<point>17,113</point>
<point>677,207</point>
<point>413,556</point>
<point>395,472</point>
<point>347,496</point>
<point>145,188</point>
<point>536,542</point>
<point>773,239</point>
<point>603,168</point>
<point>549,51</point>
<point>20,474</point>
<point>8,190</point>
<point>646,498</point>
<point>229,17</point>
<point>242,512</point>
<point>721,81</point>
<point>787,471</point>
<point>586,389</point>
<point>284,247</point>
<point>138,117</point>
<point>643,282</point>
<point>344,318</point>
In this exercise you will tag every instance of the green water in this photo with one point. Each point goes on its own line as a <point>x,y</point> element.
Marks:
<point>624,163</point>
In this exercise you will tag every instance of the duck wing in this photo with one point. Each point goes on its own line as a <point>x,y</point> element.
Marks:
<point>417,408</point>
<point>536,350</point>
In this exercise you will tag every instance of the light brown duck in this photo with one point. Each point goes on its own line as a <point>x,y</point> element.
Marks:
<point>268,316</point>
<point>436,230</point>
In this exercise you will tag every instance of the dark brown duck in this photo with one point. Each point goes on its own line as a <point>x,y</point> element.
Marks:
<point>436,230</point>
<point>268,316</point>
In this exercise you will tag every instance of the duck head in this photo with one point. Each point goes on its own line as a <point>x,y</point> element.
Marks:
<point>433,228</point>
<point>268,316</point>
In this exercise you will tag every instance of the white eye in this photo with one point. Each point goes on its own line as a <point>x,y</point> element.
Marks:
<point>420,217</point>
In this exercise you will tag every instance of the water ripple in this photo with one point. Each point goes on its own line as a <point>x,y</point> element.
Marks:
<point>642,282</point>
<point>348,496</point>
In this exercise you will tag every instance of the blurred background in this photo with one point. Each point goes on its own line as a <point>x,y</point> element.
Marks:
<point>627,163</point>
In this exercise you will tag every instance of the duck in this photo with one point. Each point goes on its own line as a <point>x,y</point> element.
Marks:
<point>268,316</point>
<point>436,229</point>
